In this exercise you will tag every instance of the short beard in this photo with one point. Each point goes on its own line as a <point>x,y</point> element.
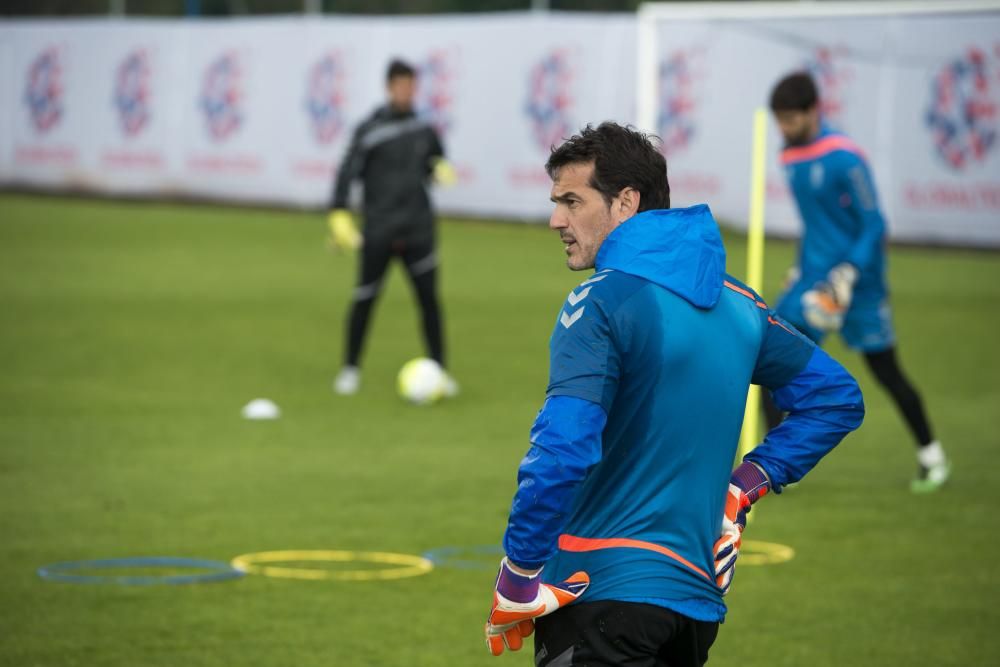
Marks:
<point>800,139</point>
<point>587,266</point>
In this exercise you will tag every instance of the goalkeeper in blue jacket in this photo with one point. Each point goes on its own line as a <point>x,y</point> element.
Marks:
<point>628,516</point>
<point>840,281</point>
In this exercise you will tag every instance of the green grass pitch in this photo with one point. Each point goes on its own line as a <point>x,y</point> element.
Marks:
<point>132,333</point>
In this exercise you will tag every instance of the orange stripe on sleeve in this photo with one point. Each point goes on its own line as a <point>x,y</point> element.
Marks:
<point>749,295</point>
<point>776,322</point>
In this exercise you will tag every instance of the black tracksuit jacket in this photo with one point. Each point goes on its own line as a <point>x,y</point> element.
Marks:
<point>392,153</point>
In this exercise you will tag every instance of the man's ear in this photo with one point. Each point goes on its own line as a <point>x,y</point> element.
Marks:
<point>627,204</point>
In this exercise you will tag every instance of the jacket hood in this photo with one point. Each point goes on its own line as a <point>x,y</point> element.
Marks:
<point>679,249</point>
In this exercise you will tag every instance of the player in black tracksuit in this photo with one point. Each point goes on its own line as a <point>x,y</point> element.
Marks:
<point>394,154</point>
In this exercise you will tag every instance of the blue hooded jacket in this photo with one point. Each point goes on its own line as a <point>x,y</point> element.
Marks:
<point>838,204</point>
<point>630,457</point>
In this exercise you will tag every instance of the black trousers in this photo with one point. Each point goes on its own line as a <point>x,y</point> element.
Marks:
<point>419,255</point>
<point>608,633</point>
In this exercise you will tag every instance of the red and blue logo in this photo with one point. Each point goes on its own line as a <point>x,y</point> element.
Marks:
<point>325,98</point>
<point>44,92</point>
<point>675,123</point>
<point>434,98</point>
<point>221,98</point>
<point>550,100</point>
<point>963,112</point>
<point>132,92</point>
<point>826,67</point>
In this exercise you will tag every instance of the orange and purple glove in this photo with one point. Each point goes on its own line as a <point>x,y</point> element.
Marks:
<point>518,599</point>
<point>747,484</point>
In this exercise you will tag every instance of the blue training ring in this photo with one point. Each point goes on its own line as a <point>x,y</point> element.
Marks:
<point>63,572</point>
<point>448,556</point>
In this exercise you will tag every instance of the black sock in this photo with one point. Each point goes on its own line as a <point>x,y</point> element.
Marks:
<point>425,287</point>
<point>357,325</point>
<point>375,257</point>
<point>886,369</point>
<point>772,413</point>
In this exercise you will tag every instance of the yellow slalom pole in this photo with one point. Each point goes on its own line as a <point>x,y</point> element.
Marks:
<point>755,262</point>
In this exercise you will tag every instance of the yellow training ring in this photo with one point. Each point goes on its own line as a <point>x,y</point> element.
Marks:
<point>761,553</point>
<point>409,566</point>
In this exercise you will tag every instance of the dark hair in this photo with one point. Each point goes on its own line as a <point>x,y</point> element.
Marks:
<point>623,157</point>
<point>399,68</point>
<point>796,92</point>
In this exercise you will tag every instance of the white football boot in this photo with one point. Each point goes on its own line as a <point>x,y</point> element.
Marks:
<point>934,470</point>
<point>451,388</point>
<point>348,381</point>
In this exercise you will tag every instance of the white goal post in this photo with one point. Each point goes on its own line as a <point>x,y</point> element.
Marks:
<point>652,13</point>
<point>898,77</point>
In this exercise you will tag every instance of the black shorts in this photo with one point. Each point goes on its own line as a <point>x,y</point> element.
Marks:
<point>608,633</point>
<point>417,251</point>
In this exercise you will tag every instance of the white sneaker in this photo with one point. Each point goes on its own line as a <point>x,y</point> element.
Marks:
<point>348,381</point>
<point>451,387</point>
<point>934,469</point>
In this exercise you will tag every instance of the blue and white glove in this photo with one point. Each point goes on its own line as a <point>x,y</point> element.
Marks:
<point>747,484</point>
<point>792,276</point>
<point>825,305</point>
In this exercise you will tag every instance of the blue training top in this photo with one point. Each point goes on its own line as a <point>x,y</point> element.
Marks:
<point>631,454</point>
<point>833,187</point>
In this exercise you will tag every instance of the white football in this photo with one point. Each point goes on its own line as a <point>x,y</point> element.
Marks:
<point>421,381</point>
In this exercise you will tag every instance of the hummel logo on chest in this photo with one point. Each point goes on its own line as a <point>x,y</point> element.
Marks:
<point>575,298</point>
<point>596,278</point>
<point>568,320</point>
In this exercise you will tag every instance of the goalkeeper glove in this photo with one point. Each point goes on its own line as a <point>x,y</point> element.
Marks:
<point>747,484</point>
<point>518,599</point>
<point>344,234</point>
<point>825,304</point>
<point>792,276</point>
<point>444,173</point>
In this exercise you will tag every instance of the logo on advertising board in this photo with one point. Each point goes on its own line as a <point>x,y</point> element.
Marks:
<point>550,100</point>
<point>325,98</point>
<point>964,109</point>
<point>435,80</point>
<point>675,123</point>
<point>826,65</point>
<point>133,92</point>
<point>44,90</point>
<point>222,97</point>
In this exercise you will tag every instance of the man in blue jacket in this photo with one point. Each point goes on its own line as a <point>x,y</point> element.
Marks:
<point>839,283</point>
<point>627,503</point>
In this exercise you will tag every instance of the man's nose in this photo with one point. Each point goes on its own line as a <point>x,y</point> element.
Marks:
<point>557,221</point>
